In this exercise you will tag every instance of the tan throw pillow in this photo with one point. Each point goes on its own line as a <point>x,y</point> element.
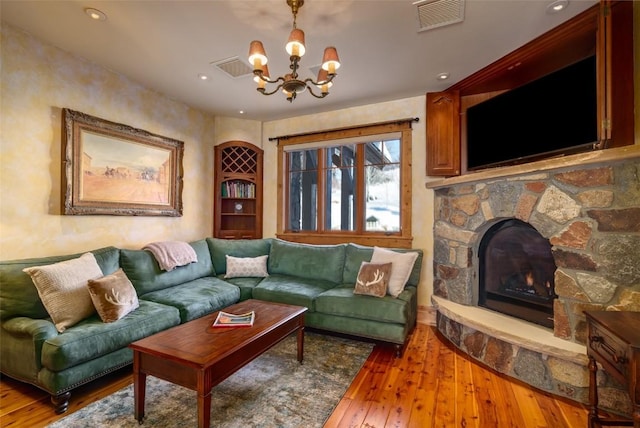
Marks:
<point>238,267</point>
<point>113,296</point>
<point>402,265</point>
<point>62,287</point>
<point>373,279</point>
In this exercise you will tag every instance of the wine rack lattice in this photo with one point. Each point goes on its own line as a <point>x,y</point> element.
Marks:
<point>239,160</point>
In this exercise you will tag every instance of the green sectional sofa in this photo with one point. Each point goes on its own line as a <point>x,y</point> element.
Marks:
<point>321,278</point>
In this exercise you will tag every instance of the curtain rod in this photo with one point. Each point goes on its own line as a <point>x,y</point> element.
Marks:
<point>397,122</point>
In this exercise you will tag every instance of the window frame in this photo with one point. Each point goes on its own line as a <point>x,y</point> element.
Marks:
<point>400,239</point>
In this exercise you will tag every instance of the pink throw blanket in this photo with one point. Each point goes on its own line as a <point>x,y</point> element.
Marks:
<point>171,254</point>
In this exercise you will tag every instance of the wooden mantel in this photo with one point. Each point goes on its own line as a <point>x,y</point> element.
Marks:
<point>594,157</point>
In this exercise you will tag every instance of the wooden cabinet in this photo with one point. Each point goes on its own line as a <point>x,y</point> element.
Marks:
<point>614,342</point>
<point>605,30</point>
<point>238,191</point>
<point>443,133</point>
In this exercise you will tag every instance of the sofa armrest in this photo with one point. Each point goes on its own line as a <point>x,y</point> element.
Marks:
<point>21,342</point>
<point>38,329</point>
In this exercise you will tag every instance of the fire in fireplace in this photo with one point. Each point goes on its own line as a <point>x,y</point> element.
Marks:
<point>516,269</point>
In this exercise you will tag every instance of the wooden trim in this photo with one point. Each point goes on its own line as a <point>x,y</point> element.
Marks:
<point>427,315</point>
<point>281,180</point>
<point>392,241</point>
<point>360,188</point>
<point>406,198</point>
<point>603,64</point>
<point>352,131</point>
<point>320,200</point>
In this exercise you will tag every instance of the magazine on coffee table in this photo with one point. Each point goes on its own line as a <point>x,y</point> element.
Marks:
<point>225,319</point>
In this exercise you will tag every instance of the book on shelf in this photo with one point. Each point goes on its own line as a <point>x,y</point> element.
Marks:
<point>238,190</point>
<point>226,319</point>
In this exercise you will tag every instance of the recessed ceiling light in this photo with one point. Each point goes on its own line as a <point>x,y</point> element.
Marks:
<point>557,6</point>
<point>203,76</point>
<point>96,14</point>
<point>443,76</point>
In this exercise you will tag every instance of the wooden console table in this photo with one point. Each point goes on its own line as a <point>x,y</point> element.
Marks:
<point>614,342</point>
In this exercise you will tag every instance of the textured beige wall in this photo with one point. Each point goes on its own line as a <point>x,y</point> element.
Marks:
<point>422,203</point>
<point>37,81</point>
<point>232,129</point>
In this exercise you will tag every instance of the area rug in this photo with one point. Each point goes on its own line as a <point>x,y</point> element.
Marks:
<point>274,390</point>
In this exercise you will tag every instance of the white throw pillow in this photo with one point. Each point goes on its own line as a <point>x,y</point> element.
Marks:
<point>401,267</point>
<point>62,287</point>
<point>246,267</point>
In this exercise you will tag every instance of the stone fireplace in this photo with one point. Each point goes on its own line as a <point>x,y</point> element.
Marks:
<point>587,208</point>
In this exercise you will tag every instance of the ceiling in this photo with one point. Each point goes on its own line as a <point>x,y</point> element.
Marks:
<point>165,45</point>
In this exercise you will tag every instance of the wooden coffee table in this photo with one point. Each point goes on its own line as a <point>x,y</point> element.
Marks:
<point>198,356</point>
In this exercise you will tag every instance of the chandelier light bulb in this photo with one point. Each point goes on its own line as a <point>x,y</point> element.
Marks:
<point>323,81</point>
<point>330,61</point>
<point>295,45</point>
<point>265,75</point>
<point>257,55</point>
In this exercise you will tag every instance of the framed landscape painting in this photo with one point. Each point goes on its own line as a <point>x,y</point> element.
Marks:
<point>114,169</point>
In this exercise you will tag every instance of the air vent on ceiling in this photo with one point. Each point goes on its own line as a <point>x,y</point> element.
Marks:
<point>234,67</point>
<point>438,13</point>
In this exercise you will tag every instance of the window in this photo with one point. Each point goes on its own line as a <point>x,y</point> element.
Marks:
<point>350,185</point>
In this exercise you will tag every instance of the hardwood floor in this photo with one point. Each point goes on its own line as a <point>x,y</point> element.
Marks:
<point>432,385</point>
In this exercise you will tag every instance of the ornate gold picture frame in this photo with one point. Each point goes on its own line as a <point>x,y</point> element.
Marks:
<point>114,169</point>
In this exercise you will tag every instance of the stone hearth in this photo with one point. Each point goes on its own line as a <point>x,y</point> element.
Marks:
<point>588,206</point>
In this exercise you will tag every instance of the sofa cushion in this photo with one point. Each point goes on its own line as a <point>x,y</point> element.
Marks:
<point>342,302</point>
<point>401,267</point>
<point>325,262</point>
<point>236,248</point>
<point>373,279</point>
<point>62,287</point>
<point>291,290</point>
<point>145,274</point>
<point>92,338</point>
<point>245,284</point>
<point>18,294</point>
<point>246,267</point>
<point>356,254</point>
<point>197,298</point>
<point>113,296</point>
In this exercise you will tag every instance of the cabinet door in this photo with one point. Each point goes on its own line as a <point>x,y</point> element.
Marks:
<point>615,73</point>
<point>443,133</point>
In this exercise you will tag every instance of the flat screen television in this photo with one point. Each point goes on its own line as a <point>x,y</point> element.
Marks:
<point>553,115</point>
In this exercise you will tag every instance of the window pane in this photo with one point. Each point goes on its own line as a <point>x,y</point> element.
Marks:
<point>382,152</point>
<point>382,186</point>
<point>340,188</point>
<point>392,150</point>
<point>303,190</point>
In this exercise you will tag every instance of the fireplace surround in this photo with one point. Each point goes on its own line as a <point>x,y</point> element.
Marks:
<point>588,208</point>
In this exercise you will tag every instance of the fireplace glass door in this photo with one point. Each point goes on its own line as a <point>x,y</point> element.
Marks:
<point>516,272</point>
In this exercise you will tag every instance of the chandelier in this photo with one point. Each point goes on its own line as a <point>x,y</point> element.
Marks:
<point>290,84</point>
